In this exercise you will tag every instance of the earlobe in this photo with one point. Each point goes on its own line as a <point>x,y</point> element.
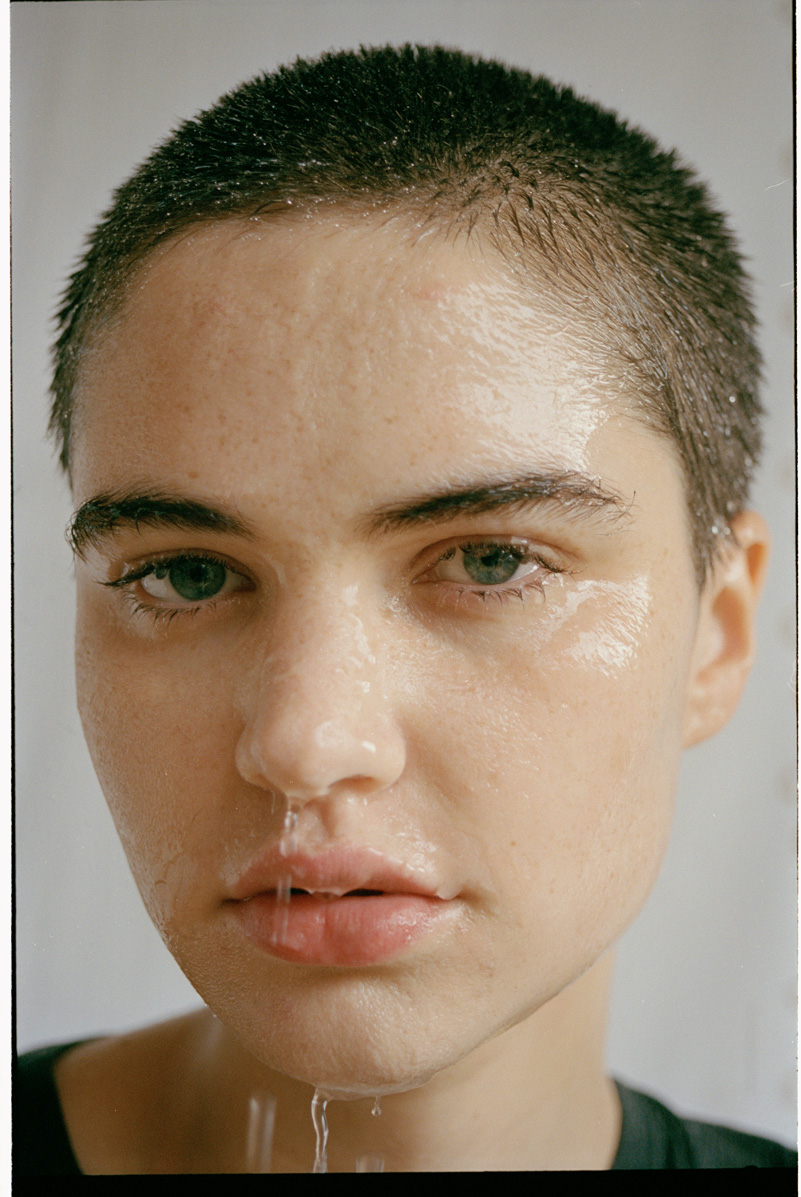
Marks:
<point>725,641</point>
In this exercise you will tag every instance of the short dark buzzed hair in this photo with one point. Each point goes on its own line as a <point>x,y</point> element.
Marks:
<point>581,205</point>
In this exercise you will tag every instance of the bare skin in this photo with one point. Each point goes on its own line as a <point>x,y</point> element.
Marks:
<point>184,1087</point>
<point>492,701</point>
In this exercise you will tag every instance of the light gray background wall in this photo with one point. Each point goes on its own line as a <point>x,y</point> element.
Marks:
<point>703,1013</point>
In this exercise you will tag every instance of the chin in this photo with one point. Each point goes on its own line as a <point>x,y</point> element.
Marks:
<point>352,1057</point>
<point>348,1037</point>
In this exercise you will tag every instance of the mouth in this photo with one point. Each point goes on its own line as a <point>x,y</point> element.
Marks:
<point>343,907</point>
<point>330,896</point>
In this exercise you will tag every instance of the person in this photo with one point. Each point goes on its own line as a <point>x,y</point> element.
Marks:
<point>409,406</point>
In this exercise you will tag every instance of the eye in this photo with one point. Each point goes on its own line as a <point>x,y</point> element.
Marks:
<point>484,564</point>
<point>466,576</point>
<point>192,579</point>
<point>185,582</point>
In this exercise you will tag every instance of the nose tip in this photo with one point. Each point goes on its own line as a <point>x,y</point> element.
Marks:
<point>312,762</point>
<point>311,731</point>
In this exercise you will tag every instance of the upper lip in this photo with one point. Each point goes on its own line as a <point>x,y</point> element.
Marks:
<point>333,871</point>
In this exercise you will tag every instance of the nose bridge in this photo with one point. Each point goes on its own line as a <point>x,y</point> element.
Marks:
<point>320,643</point>
<point>317,710</point>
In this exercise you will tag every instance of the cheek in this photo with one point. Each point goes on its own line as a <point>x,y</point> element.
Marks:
<point>592,680</point>
<point>161,740</point>
<point>566,741</point>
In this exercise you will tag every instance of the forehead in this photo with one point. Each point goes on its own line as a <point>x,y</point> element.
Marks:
<point>243,345</point>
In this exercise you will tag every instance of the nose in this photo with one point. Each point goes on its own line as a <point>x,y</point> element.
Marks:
<point>318,718</point>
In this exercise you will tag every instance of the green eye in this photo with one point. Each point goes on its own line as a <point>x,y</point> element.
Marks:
<point>187,582</point>
<point>490,565</point>
<point>192,578</point>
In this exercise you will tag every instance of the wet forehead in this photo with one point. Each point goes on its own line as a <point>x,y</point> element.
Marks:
<point>338,343</point>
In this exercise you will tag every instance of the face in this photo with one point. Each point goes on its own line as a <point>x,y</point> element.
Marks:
<point>404,622</point>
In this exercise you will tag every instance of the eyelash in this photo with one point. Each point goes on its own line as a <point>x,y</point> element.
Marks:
<point>448,591</point>
<point>520,589</point>
<point>166,614</point>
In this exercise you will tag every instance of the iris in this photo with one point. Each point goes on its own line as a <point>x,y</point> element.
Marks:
<point>193,579</point>
<point>490,565</point>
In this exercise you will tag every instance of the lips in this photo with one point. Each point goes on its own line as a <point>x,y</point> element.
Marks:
<point>346,906</point>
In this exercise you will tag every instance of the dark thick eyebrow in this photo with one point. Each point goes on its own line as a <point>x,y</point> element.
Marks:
<point>105,514</point>
<point>578,495</point>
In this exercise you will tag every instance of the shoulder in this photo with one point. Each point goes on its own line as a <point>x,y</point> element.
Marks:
<point>64,1119</point>
<point>653,1136</point>
<point>41,1145</point>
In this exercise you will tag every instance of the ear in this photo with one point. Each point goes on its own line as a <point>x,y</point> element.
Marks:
<point>725,642</point>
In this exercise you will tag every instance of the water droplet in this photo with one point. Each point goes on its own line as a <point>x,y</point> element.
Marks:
<point>318,1108</point>
<point>283,892</point>
<point>376,1110</point>
<point>288,844</point>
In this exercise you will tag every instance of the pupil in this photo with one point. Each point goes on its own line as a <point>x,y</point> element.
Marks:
<point>196,580</point>
<point>490,566</point>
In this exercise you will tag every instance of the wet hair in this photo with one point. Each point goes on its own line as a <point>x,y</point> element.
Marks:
<point>582,206</point>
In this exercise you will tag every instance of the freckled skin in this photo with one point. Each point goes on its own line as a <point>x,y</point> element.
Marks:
<point>523,752</point>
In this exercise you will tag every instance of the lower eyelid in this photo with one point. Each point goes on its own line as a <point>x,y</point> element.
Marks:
<point>455,594</point>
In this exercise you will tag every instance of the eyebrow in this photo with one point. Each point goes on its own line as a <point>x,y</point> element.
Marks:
<point>105,514</point>
<point>579,496</point>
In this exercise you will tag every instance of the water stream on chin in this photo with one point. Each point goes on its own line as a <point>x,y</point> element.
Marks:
<point>262,1110</point>
<point>318,1108</point>
<point>261,1130</point>
<point>364,1163</point>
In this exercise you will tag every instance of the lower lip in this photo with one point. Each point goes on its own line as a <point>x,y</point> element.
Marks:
<point>344,931</point>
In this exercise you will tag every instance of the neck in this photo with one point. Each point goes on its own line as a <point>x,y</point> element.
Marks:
<point>534,1098</point>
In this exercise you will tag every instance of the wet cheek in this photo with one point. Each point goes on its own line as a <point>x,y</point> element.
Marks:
<point>566,740</point>
<point>158,744</point>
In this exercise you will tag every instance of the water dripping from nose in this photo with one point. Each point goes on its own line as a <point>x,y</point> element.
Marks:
<point>283,892</point>
<point>287,846</point>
